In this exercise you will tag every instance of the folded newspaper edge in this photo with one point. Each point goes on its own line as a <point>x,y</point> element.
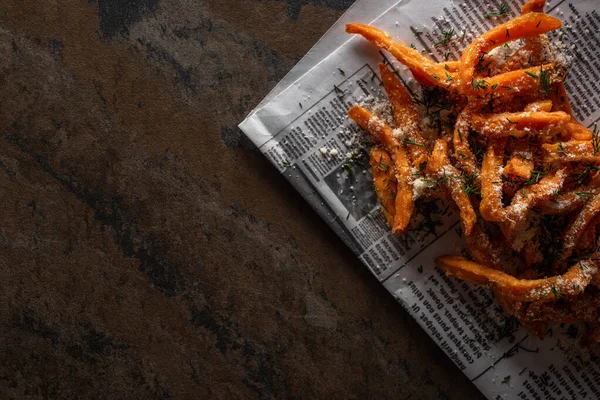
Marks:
<point>304,132</point>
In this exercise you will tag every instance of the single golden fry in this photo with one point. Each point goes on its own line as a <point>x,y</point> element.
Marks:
<point>536,6</point>
<point>520,124</point>
<point>450,66</point>
<point>518,167</point>
<point>539,105</point>
<point>525,199</point>
<point>576,131</point>
<point>520,27</point>
<point>428,71</point>
<point>491,207</point>
<point>482,249</point>
<point>378,129</point>
<point>383,134</point>
<point>575,231</point>
<point>573,282</point>
<point>571,151</point>
<point>384,180</point>
<point>441,169</point>
<point>462,149</point>
<point>406,116</point>
<point>560,98</point>
<point>526,80</point>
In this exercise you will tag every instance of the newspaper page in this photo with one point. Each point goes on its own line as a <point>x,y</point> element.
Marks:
<point>304,132</point>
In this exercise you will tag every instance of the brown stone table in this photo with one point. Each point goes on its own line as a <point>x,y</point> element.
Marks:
<point>147,250</point>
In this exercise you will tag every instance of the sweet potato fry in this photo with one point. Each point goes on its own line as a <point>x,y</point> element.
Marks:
<point>533,6</point>
<point>576,131</point>
<point>431,73</point>
<point>378,129</point>
<point>560,98</point>
<point>491,183</point>
<point>577,228</point>
<point>571,283</point>
<point>539,105</point>
<point>524,26</point>
<point>525,199</point>
<point>482,249</point>
<point>571,151</point>
<point>382,133</point>
<point>462,150</point>
<point>406,116</point>
<point>520,124</point>
<point>450,66</point>
<point>384,180</point>
<point>518,167</point>
<point>441,169</point>
<point>526,80</point>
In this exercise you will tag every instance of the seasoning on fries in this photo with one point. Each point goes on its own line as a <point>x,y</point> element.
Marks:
<point>522,172</point>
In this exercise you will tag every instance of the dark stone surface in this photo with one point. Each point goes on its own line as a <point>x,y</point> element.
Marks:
<point>147,250</point>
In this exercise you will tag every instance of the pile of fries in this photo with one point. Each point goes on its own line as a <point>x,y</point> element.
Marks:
<point>524,175</point>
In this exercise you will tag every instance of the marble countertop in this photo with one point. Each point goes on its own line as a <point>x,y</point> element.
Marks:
<point>147,249</point>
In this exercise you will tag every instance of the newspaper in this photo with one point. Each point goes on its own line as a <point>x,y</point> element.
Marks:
<point>304,132</point>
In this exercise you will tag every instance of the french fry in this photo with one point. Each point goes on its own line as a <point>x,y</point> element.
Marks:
<point>429,72</point>
<point>482,249</point>
<point>384,180</point>
<point>404,203</point>
<point>525,199</point>
<point>519,167</point>
<point>560,98</point>
<point>450,66</point>
<point>378,129</point>
<point>462,149</point>
<point>576,131</point>
<point>571,283</point>
<point>491,183</point>
<point>539,105</point>
<point>526,80</point>
<point>520,27</point>
<point>441,169</point>
<point>571,151</point>
<point>533,6</point>
<point>520,124</point>
<point>577,228</point>
<point>406,116</point>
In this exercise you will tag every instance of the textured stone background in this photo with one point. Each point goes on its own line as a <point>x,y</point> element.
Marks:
<point>147,250</point>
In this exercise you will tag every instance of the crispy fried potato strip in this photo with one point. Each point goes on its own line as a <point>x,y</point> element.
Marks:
<point>571,151</point>
<point>462,149</point>
<point>518,167</point>
<point>520,27</point>
<point>578,132</point>
<point>383,134</point>
<point>384,180</point>
<point>520,124</point>
<point>525,199</point>
<point>539,105</point>
<point>536,6</point>
<point>443,171</point>
<point>577,228</point>
<point>426,69</point>
<point>518,81</point>
<point>406,116</point>
<point>491,207</point>
<point>571,283</point>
